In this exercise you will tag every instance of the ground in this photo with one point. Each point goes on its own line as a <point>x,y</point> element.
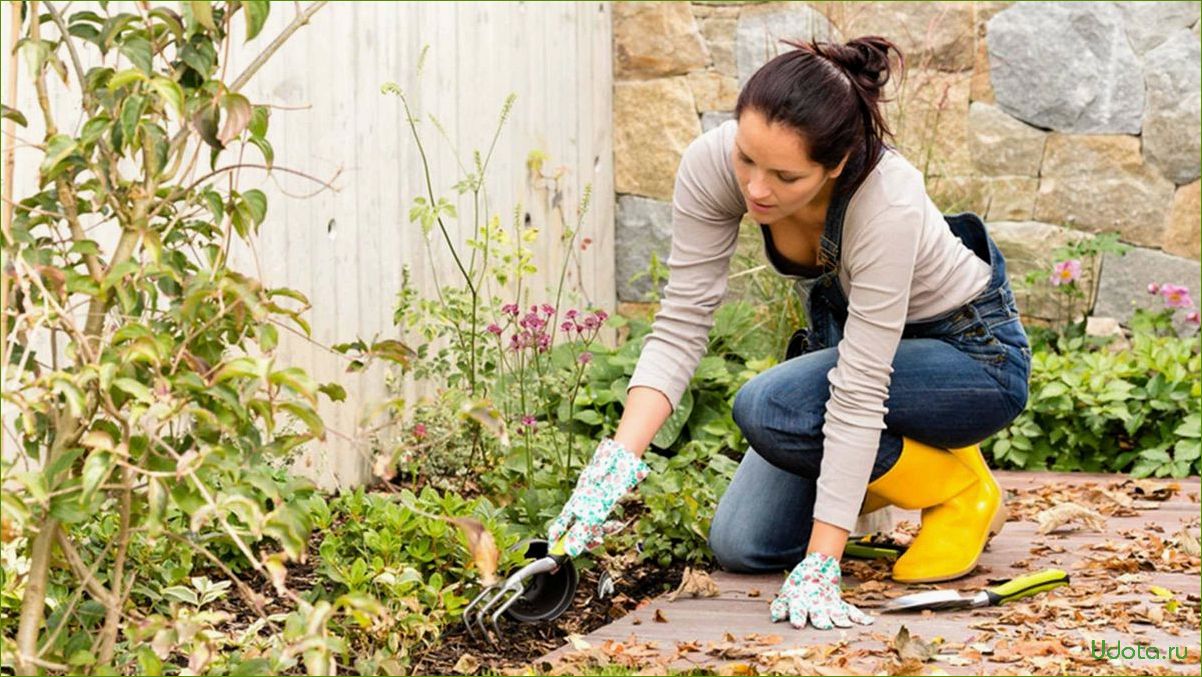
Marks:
<point>1132,556</point>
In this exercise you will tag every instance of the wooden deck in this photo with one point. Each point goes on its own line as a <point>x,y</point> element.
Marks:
<point>1111,598</point>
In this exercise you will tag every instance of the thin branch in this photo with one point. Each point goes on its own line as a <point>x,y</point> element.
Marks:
<point>300,20</point>
<point>235,167</point>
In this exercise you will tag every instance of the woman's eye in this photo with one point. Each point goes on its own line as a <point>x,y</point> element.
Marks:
<point>790,179</point>
<point>744,159</point>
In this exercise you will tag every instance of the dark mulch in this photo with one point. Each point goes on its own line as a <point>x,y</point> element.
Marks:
<point>525,642</point>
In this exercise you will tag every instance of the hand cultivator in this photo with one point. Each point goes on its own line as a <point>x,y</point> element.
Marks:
<point>540,591</point>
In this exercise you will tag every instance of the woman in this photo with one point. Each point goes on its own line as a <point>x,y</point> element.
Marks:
<point>913,353</point>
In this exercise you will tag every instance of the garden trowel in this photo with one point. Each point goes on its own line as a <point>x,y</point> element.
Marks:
<point>540,591</point>
<point>1015,588</point>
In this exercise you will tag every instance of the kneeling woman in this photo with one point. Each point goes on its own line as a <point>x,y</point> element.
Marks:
<point>914,351</point>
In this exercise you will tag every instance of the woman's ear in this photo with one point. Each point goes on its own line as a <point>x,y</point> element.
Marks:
<point>839,170</point>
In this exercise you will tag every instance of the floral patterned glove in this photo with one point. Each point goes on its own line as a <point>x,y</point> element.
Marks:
<point>812,591</point>
<point>611,473</point>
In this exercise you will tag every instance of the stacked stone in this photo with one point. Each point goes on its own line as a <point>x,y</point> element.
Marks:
<point>1054,121</point>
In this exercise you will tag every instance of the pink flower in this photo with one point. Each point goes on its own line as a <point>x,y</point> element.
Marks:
<point>591,322</point>
<point>494,329</point>
<point>528,421</point>
<point>511,309</point>
<point>1153,288</point>
<point>601,315</point>
<point>1066,272</point>
<point>514,343</point>
<point>571,314</point>
<point>548,309</point>
<point>566,326</point>
<point>587,357</point>
<point>1192,316</point>
<point>585,243</point>
<point>419,431</point>
<point>1176,296</point>
<point>544,342</point>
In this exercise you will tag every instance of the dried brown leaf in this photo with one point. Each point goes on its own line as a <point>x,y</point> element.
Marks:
<point>483,547</point>
<point>1055,517</point>
<point>695,583</point>
<point>660,617</point>
<point>467,664</point>
<point>909,647</point>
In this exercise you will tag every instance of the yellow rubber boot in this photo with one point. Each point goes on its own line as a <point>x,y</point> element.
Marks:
<point>973,458</point>
<point>959,506</point>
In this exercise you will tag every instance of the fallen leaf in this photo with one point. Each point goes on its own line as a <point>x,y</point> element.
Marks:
<point>1188,543</point>
<point>467,664</point>
<point>739,669</point>
<point>911,647</point>
<point>482,546</point>
<point>577,642</point>
<point>1053,518</point>
<point>695,584</point>
<point>754,592</point>
<point>660,617</point>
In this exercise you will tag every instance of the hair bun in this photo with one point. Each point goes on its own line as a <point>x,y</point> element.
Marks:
<point>866,60</point>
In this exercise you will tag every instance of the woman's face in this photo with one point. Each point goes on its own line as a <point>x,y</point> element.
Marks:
<point>776,176</point>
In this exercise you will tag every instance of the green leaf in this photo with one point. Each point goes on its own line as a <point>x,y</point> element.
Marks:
<point>308,417</point>
<point>265,148</point>
<point>240,367</point>
<point>95,470</point>
<point>170,92</point>
<point>131,115</point>
<point>138,51</point>
<point>335,392</point>
<point>58,148</point>
<point>125,77</point>
<point>256,201</point>
<point>256,16</point>
<point>204,120</point>
<point>136,389</point>
<point>297,380</point>
<point>258,121</point>
<point>35,54</point>
<point>202,11</point>
<point>13,114</point>
<point>170,19</point>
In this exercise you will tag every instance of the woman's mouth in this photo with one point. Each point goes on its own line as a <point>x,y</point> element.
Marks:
<point>759,207</point>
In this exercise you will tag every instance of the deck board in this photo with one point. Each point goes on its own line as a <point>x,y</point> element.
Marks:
<point>1067,614</point>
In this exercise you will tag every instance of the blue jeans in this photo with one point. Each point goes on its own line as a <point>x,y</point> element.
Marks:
<point>958,378</point>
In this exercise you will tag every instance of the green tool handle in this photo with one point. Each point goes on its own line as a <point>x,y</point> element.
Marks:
<point>1026,586</point>
<point>557,551</point>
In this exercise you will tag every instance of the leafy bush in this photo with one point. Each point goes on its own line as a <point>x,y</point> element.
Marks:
<point>1098,410</point>
<point>681,496</point>
<point>382,547</point>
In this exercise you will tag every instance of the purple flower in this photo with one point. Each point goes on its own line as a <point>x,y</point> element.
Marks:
<point>1153,288</point>
<point>1176,296</point>
<point>1066,272</point>
<point>494,329</point>
<point>511,309</point>
<point>585,357</point>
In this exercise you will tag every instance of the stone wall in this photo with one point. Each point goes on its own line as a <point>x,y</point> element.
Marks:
<point>1053,121</point>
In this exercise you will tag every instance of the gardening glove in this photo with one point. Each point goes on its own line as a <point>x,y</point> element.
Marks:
<point>812,591</point>
<point>611,473</point>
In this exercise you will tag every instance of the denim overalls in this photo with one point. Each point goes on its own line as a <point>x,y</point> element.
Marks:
<point>958,378</point>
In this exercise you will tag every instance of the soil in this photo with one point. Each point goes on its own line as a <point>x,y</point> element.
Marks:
<point>525,642</point>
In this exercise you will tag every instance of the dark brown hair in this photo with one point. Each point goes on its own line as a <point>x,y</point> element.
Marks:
<point>830,94</point>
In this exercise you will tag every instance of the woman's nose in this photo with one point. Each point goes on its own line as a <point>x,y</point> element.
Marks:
<point>757,190</point>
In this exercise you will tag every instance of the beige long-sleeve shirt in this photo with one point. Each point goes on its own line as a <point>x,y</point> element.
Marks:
<point>900,263</point>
